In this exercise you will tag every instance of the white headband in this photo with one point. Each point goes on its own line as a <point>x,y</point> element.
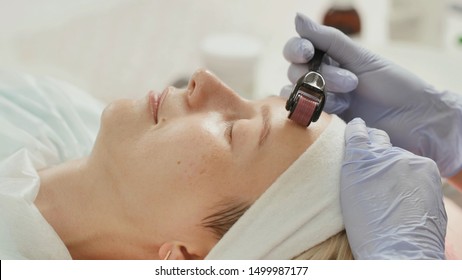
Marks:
<point>300,209</point>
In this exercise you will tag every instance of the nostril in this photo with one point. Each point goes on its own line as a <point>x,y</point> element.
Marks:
<point>191,86</point>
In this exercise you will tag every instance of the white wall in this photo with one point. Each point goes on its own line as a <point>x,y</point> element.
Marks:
<point>126,47</point>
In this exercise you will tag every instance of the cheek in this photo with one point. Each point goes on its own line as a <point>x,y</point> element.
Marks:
<point>205,169</point>
<point>184,154</point>
<point>198,167</point>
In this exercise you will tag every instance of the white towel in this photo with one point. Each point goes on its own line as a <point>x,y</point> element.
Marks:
<point>300,209</point>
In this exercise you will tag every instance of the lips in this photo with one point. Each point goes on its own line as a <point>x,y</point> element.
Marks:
<point>154,104</point>
<point>155,101</point>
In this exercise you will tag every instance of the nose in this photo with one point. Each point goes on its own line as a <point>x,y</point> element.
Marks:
<point>207,92</point>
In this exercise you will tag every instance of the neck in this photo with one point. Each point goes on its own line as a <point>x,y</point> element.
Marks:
<point>81,203</point>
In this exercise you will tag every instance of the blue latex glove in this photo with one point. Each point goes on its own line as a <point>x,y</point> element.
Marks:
<point>417,117</point>
<point>391,199</point>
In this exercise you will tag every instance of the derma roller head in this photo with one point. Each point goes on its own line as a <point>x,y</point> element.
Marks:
<point>307,99</point>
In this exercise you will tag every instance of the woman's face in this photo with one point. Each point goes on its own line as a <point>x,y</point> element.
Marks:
<point>175,156</point>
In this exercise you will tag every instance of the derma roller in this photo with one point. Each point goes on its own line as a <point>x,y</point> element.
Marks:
<point>307,99</point>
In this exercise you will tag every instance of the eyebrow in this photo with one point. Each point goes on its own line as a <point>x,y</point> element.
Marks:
<point>266,128</point>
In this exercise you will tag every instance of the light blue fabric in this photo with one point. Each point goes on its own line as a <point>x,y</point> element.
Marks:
<point>43,123</point>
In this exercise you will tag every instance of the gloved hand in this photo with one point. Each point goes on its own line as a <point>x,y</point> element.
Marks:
<point>417,117</point>
<point>391,199</point>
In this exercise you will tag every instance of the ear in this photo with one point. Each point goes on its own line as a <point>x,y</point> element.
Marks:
<point>174,250</point>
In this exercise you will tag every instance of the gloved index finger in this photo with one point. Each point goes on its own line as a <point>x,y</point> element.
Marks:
<point>356,134</point>
<point>336,44</point>
<point>337,79</point>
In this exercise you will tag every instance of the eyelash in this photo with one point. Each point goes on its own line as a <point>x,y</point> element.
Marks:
<point>229,130</point>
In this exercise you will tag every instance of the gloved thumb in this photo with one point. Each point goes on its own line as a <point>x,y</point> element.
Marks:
<point>357,135</point>
<point>336,44</point>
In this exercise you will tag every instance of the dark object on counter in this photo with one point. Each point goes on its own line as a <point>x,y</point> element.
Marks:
<point>343,16</point>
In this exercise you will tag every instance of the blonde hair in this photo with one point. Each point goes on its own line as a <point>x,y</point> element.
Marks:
<point>334,248</point>
<point>225,216</point>
<point>229,211</point>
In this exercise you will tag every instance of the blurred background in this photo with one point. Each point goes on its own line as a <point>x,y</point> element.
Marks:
<point>124,48</point>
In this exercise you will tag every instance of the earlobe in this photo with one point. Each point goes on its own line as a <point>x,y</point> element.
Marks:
<point>165,251</point>
<point>177,251</point>
<point>167,256</point>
